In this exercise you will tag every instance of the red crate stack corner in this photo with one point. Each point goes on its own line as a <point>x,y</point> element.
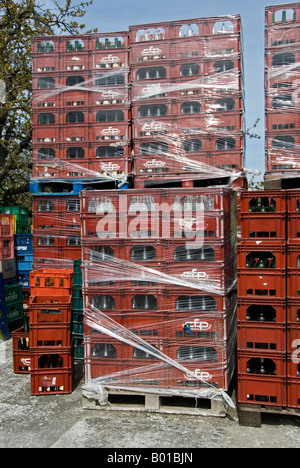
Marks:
<point>167,298</point>
<point>262,257</point>
<point>282,118</point>
<point>50,338</point>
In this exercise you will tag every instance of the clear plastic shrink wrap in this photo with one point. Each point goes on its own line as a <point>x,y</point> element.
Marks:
<point>282,75</point>
<point>159,307</point>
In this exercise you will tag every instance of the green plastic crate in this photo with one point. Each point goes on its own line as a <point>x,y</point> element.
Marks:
<point>77,298</point>
<point>14,311</point>
<point>77,273</point>
<point>13,293</point>
<point>78,347</point>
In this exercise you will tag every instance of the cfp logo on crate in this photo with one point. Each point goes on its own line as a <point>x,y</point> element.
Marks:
<point>110,59</point>
<point>154,163</point>
<point>153,126</point>
<point>152,90</point>
<point>151,51</point>
<point>26,362</point>
<point>110,131</point>
<point>107,167</point>
<point>192,223</point>
<point>197,325</point>
<point>194,275</point>
<point>110,94</point>
<point>205,376</point>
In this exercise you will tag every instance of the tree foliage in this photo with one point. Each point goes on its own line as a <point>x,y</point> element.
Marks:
<point>20,21</point>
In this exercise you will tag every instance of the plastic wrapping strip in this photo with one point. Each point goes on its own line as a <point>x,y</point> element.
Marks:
<point>107,268</point>
<point>223,81</point>
<point>97,320</point>
<point>84,88</point>
<point>282,71</point>
<point>109,171</point>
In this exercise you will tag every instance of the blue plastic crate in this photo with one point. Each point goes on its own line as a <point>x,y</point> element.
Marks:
<point>72,187</point>
<point>23,278</point>
<point>23,244</point>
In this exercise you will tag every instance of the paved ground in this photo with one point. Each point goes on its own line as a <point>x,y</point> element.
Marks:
<point>60,422</point>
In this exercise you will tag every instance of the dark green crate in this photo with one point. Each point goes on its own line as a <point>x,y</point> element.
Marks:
<point>14,311</point>
<point>13,293</point>
<point>77,322</point>
<point>77,298</point>
<point>78,347</point>
<point>77,273</point>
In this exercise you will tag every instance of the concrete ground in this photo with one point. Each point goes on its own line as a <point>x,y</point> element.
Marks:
<point>59,421</point>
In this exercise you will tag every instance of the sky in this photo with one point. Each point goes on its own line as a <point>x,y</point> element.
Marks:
<point>118,15</point>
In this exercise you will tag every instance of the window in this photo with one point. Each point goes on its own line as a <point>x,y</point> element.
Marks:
<point>224,105</point>
<point>110,116</point>
<point>110,43</point>
<point>74,44</point>
<point>223,27</point>
<point>46,153</point>
<point>75,80</point>
<point>150,34</point>
<point>286,58</point>
<point>103,301</point>
<point>110,79</point>
<point>144,301</point>
<point>189,146</point>
<point>75,153</point>
<point>203,254</point>
<point>284,16</point>
<point>155,147</point>
<point>284,100</point>
<point>225,144</point>
<point>75,117</point>
<point>142,253</point>
<point>197,353</point>
<point>45,47</point>
<point>188,30</point>
<point>101,252</point>
<point>45,206</point>
<point>151,73</point>
<point>110,152</point>
<point>283,142</point>
<point>223,66</point>
<point>46,83</point>
<point>154,110</point>
<point>192,107</point>
<point>46,240</point>
<point>46,119</point>
<point>206,303</point>
<point>73,205</point>
<point>104,350</point>
<point>189,69</point>
<point>74,240</point>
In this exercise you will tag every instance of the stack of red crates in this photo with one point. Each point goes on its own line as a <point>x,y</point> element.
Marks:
<point>293,298</point>
<point>262,315</point>
<point>50,338</point>
<point>81,134</point>
<point>130,242</point>
<point>187,100</point>
<point>282,29</point>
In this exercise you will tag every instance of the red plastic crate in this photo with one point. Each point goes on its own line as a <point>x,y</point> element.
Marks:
<point>263,226</point>
<point>204,376</point>
<point>267,284</point>
<point>43,335</point>
<point>63,358</point>
<point>6,226</point>
<point>55,205</point>
<point>276,251</point>
<point>262,390</point>
<point>293,284</point>
<point>50,308</point>
<point>51,381</point>
<point>49,281</point>
<point>276,309</point>
<point>21,351</point>
<point>293,393</point>
<point>293,360</point>
<point>258,337</point>
<point>7,249</point>
<point>181,300</point>
<point>276,360</point>
<point>293,232</point>
<point>275,198</point>
<point>273,16</point>
<point>293,255</point>
<point>293,311</point>
<point>281,121</point>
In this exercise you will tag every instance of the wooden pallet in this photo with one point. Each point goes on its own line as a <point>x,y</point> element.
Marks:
<point>123,400</point>
<point>282,180</point>
<point>251,415</point>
